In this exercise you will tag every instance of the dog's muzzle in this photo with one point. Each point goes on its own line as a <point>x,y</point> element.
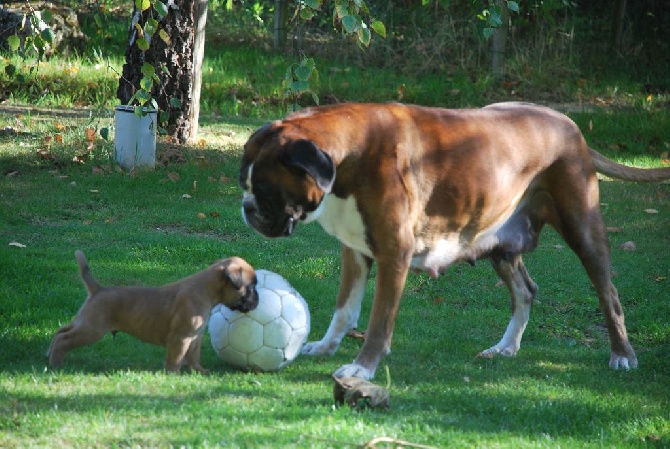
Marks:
<point>247,303</point>
<point>282,226</point>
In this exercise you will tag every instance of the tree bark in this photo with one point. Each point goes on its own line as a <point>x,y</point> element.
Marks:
<point>200,15</point>
<point>280,25</point>
<point>173,62</point>
<point>616,40</point>
<point>499,42</point>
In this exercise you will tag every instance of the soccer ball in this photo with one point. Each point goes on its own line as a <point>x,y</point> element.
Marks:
<point>267,338</point>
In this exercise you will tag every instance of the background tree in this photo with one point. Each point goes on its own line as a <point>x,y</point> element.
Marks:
<point>164,62</point>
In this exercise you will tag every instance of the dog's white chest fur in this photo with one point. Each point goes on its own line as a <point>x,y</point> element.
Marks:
<point>340,218</point>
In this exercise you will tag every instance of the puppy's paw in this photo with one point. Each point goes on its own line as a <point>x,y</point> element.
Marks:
<point>354,370</point>
<point>319,348</point>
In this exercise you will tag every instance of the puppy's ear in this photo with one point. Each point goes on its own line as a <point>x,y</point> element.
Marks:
<point>232,272</point>
<point>305,155</point>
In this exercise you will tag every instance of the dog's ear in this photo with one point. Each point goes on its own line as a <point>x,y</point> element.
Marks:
<point>253,146</point>
<point>232,271</point>
<point>305,155</point>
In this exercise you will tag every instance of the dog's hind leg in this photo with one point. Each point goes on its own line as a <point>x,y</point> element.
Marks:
<point>587,237</point>
<point>522,291</point>
<point>70,337</point>
<point>192,357</point>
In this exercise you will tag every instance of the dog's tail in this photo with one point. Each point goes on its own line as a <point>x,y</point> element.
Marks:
<point>91,285</point>
<point>623,172</point>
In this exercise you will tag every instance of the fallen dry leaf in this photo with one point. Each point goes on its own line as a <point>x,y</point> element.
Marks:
<point>356,334</point>
<point>81,158</point>
<point>44,154</point>
<point>651,211</point>
<point>401,91</point>
<point>359,393</point>
<point>200,215</point>
<point>90,134</point>
<point>58,137</point>
<point>215,214</point>
<point>172,176</point>
<point>628,246</point>
<point>172,155</point>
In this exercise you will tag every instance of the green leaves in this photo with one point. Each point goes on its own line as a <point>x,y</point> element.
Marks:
<point>492,16</point>
<point>142,5</point>
<point>300,78</point>
<point>161,8</point>
<point>14,42</point>
<point>379,28</point>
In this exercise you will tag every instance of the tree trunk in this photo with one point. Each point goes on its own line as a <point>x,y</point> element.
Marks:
<point>173,62</point>
<point>200,15</point>
<point>280,25</point>
<point>616,40</point>
<point>499,42</point>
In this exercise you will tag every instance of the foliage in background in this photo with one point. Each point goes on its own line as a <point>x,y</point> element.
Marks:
<point>557,53</point>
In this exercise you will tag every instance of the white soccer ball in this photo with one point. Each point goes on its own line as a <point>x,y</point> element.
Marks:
<point>267,338</point>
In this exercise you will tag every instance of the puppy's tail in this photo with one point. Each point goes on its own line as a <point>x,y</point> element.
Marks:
<point>85,272</point>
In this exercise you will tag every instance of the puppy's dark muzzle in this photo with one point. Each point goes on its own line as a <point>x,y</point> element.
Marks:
<point>247,303</point>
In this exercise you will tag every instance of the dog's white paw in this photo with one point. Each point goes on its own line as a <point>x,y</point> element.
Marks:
<point>319,348</point>
<point>507,351</point>
<point>619,361</point>
<point>354,370</point>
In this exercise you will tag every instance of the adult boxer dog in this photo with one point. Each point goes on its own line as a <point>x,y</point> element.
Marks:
<point>416,187</point>
<point>174,316</point>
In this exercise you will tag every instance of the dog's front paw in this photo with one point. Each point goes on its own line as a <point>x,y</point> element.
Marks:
<point>508,351</point>
<point>619,361</point>
<point>319,348</point>
<point>354,370</point>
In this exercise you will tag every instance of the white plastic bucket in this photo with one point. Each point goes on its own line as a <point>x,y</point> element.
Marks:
<point>134,138</point>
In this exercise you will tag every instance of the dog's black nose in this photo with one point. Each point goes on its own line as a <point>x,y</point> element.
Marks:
<point>249,206</point>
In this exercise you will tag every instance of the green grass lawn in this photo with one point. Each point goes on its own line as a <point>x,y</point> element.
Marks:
<point>139,228</point>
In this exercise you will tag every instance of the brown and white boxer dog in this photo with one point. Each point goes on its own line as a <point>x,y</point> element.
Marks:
<point>412,187</point>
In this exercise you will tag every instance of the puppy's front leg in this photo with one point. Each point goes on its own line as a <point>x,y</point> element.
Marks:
<point>353,280</point>
<point>391,278</point>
